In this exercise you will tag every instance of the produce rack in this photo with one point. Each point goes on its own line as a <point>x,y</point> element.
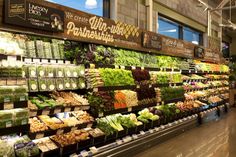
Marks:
<point>202,72</point>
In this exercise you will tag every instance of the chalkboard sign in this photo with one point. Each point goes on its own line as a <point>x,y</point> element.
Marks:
<point>152,40</point>
<point>199,52</point>
<point>28,14</point>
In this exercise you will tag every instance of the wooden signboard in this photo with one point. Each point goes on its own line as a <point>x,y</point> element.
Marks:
<point>34,15</point>
<point>84,27</point>
<point>152,41</point>
<point>177,47</point>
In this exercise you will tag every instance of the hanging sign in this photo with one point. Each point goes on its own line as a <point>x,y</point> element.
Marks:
<point>34,15</point>
<point>152,40</point>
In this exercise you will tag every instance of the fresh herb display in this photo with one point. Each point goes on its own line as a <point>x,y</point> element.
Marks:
<point>116,77</point>
<point>146,115</point>
<point>169,93</point>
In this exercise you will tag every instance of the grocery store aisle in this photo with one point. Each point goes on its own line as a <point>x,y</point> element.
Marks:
<point>214,139</point>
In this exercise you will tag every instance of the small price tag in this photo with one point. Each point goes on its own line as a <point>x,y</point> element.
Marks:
<point>8,106</point>
<point>151,131</point>
<point>122,67</point>
<point>169,124</point>
<point>162,127</point>
<point>60,131</point>
<point>33,114</point>
<point>53,61</point>
<point>142,68</point>
<point>40,135</point>
<point>45,112</point>
<point>189,71</point>
<point>133,67</point>
<point>138,86</point>
<point>28,60</point>
<point>176,122</point>
<point>129,109</point>
<point>180,120</point>
<point>127,139</point>
<point>196,71</point>
<point>36,60</point>
<point>116,66</point>
<point>44,61</point>
<point>100,114</point>
<point>157,129</point>
<point>68,109</point>
<point>57,110</point>
<point>95,89</point>
<point>119,142</point>
<point>93,149</point>
<point>135,136</point>
<point>84,153</point>
<point>8,124</point>
<point>11,58</point>
<point>60,62</point>
<point>150,86</point>
<point>67,62</point>
<point>89,125</point>
<point>142,132</point>
<point>74,128</point>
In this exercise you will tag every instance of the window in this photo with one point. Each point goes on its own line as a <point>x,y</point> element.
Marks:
<point>97,7</point>
<point>168,28</point>
<point>225,49</point>
<point>179,31</point>
<point>191,36</point>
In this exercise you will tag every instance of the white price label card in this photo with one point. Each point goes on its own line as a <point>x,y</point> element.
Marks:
<point>45,112</point>
<point>142,132</point>
<point>36,60</point>
<point>60,131</point>
<point>53,61</point>
<point>189,71</point>
<point>67,62</point>
<point>93,149</point>
<point>119,142</point>
<point>28,60</point>
<point>157,129</point>
<point>44,61</point>
<point>11,58</point>
<point>122,67</point>
<point>162,127</point>
<point>129,109</point>
<point>74,128</point>
<point>133,67</point>
<point>100,114</point>
<point>60,61</point>
<point>170,125</point>
<point>67,109</point>
<point>151,131</point>
<point>142,68</point>
<point>150,86</point>
<point>95,89</point>
<point>39,135</point>
<point>84,153</point>
<point>135,136</point>
<point>8,106</point>
<point>57,110</point>
<point>138,86</point>
<point>116,66</point>
<point>33,113</point>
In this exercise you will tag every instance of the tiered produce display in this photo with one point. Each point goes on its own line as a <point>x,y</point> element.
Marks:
<point>82,95</point>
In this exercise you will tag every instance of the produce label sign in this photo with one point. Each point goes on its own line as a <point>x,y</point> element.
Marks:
<point>87,27</point>
<point>152,40</point>
<point>27,14</point>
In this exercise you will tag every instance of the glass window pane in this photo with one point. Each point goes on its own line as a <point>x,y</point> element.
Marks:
<point>168,28</point>
<point>191,35</point>
<point>89,6</point>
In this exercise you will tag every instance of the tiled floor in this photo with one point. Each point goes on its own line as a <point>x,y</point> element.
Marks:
<point>214,139</point>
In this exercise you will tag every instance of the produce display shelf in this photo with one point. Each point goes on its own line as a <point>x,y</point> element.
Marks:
<point>12,57</point>
<point>167,84</point>
<point>93,66</point>
<point>203,80</point>
<point>15,130</point>
<point>124,110</point>
<point>205,88</point>
<point>108,88</point>
<point>59,109</point>
<point>173,100</point>
<point>202,72</point>
<point>50,132</point>
<point>134,143</point>
<point>46,60</point>
<point>13,105</point>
